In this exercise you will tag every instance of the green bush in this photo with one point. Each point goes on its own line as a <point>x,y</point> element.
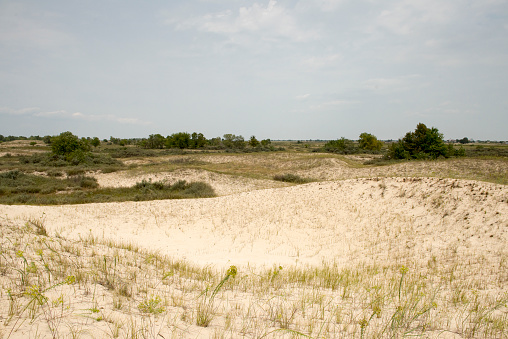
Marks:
<point>17,187</point>
<point>288,177</point>
<point>178,140</point>
<point>232,141</point>
<point>423,143</point>
<point>83,181</point>
<point>342,145</point>
<point>67,143</point>
<point>73,159</point>
<point>369,142</point>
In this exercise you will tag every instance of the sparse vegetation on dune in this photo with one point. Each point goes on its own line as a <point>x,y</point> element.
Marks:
<point>53,287</point>
<point>413,255</point>
<point>19,188</point>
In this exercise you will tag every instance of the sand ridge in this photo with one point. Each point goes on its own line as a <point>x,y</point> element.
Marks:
<point>356,219</point>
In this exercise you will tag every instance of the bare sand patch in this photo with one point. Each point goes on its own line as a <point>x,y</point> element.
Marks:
<point>373,219</point>
<point>222,184</point>
<point>375,229</point>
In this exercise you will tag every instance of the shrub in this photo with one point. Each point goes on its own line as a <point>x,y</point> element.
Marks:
<point>369,142</point>
<point>95,142</point>
<point>342,145</point>
<point>233,141</point>
<point>67,143</point>
<point>293,178</point>
<point>178,140</point>
<point>253,142</point>
<point>76,158</point>
<point>423,143</point>
<point>83,181</point>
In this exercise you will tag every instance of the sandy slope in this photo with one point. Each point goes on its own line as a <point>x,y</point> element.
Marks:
<point>389,221</point>
<point>357,219</point>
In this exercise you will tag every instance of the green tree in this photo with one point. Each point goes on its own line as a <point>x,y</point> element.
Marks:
<point>266,142</point>
<point>46,139</point>
<point>178,140</point>
<point>67,143</point>
<point>95,142</point>
<point>233,141</point>
<point>253,142</point>
<point>423,143</point>
<point>217,142</point>
<point>369,142</point>
<point>154,141</point>
<point>341,145</point>
<point>198,140</point>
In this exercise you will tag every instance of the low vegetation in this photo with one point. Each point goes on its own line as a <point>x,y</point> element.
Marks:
<point>100,288</point>
<point>20,188</point>
<point>423,143</point>
<point>53,286</point>
<point>292,178</point>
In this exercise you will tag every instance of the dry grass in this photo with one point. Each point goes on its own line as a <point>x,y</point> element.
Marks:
<point>52,287</point>
<point>360,258</point>
<point>259,167</point>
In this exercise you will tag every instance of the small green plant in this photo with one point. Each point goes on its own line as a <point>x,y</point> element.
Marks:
<point>151,305</point>
<point>39,225</point>
<point>293,178</point>
<point>205,310</point>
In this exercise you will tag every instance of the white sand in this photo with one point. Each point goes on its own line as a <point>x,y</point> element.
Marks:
<point>357,219</point>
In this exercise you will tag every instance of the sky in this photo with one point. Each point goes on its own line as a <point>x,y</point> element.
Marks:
<point>288,69</point>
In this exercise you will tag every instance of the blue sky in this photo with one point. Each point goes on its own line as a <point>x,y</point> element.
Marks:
<point>283,69</point>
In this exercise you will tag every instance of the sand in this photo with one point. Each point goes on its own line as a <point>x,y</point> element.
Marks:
<point>306,224</point>
<point>257,224</point>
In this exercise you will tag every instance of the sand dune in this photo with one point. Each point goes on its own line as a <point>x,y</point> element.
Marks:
<point>361,231</point>
<point>307,224</point>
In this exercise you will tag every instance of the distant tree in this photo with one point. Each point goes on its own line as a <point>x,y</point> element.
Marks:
<point>46,139</point>
<point>266,142</point>
<point>66,144</point>
<point>217,142</point>
<point>341,145</point>
<point>114,141</point>
<point>2,138</point>
<point>155,141</point>
<point>233,141</point>
<point>423,143</point>
<point>95,142</point>
<point>463,140</point>
<point>178,140</point>
<point>198,140</point>
<point>253,142</point>
<point>369,142</point>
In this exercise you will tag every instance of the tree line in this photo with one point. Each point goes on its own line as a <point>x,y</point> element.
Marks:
<point>184,140</point>
<point>422,143</point>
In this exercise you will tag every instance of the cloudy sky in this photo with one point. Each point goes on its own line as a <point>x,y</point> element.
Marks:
<point>288,69</point>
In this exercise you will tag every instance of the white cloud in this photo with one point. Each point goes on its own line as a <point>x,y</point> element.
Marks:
<point>23,111</point>
<point>20,25</point>
<point>407,16</point>
<point>323,5</point>
<point>270,22</point>
<point>333,104</point>
<point>321,61</point>
<point>391,84</point>
<point>36,112</point>
<point>303,96</point>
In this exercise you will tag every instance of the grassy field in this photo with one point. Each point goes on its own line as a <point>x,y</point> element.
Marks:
<point>397,284</point>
